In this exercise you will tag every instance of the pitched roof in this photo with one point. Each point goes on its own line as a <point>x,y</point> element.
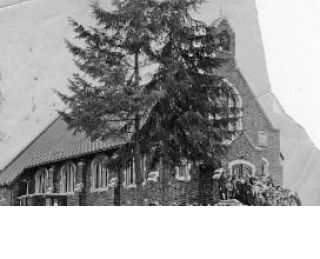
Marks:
<point>55,143</point>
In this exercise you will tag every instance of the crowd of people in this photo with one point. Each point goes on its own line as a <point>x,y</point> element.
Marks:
<point>255,191</point>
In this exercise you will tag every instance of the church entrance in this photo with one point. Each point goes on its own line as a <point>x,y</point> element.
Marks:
<point>206,187</point>
<point>242,168</point>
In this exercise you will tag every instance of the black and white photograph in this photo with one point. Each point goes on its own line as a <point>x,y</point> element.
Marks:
<point>111,107</point>
<point>149,103</point>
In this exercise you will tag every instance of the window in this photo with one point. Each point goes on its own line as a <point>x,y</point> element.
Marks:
<point>143,167</point>
<point>263,139</point>
<point>41,180</point>
<point>265,167</point>
<point>129,173</point>
<point>68,173</point>
<point>183,171</point>
<point>100,179</point>
<point>67,178</point>
<point>225,41</point>
<point>242,168</point>
<point>233,102</point>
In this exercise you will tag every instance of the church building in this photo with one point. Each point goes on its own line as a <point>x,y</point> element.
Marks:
<point>59,168</point>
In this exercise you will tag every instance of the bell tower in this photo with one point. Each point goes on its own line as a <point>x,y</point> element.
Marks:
<point>225,40</point>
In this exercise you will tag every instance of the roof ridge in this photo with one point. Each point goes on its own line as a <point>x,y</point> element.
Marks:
<point>27,146</point>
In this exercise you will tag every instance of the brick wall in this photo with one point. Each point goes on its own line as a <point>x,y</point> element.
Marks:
<point>254,121</point>
<point>178,192</point>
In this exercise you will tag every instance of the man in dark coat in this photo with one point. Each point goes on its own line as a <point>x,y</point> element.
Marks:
<point>250,192</point>
<point>243,198</point>
<point>223,186</point>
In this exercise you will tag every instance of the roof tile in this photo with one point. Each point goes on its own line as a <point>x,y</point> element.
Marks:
<point>55,143</point>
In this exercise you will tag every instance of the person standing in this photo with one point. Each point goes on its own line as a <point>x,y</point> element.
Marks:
<point>223,186</point>
<point>243,198</point>
<point>230,189</point>
<point>235,186</point>
<point>250,192</point>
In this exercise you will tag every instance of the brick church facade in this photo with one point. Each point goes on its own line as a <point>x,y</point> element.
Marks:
<point>60,168</point>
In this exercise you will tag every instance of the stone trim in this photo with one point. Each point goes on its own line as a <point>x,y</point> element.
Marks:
<point>244,162</point>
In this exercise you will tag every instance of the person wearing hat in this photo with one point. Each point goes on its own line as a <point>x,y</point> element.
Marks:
<point>223,186</point>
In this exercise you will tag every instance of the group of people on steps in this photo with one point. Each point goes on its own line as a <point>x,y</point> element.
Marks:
<point>255,191</point>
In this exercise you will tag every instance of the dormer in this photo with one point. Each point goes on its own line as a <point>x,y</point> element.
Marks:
<point>225,38</point>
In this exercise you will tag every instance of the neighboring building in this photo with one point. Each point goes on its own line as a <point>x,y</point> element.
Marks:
<point>60,168</point>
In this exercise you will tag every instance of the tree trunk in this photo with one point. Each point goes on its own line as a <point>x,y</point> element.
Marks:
<point>117,191</point>
<point>164,175</point>
<point>136,151</point>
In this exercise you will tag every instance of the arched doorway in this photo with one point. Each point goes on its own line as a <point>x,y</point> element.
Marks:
<point>242,168</point>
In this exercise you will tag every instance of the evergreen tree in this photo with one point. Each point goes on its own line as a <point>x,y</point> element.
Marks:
<point>193,116</point>
<point>108,99</point>
<point>182,111</point>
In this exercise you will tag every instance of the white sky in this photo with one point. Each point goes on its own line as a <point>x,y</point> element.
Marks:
<point>291,37</point>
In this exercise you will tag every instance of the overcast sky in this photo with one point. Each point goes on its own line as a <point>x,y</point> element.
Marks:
<point>291,37</point>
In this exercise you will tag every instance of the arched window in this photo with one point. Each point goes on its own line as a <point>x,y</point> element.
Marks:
<point>265,167</point>
<point>99,174</point>
<point>233,101</point>
<point>242,168</point>
<point>68,172</point>
<point>225,35</point>
<point>41,180</point>
<point>130,177</point>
